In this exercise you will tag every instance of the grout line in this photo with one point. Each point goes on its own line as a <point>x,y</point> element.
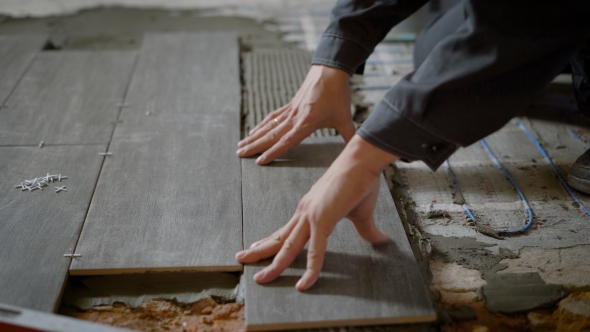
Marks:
<point>29,65</point>
<point>242,200</point>
<point>242,124</point>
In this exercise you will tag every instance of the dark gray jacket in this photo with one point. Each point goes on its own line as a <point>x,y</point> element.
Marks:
<point>472,83</point>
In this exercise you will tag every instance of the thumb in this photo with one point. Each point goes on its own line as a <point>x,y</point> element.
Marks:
<point>367,229</point>
<point>346,129</point>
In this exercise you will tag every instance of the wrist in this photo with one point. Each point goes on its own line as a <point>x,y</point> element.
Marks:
<point>367,157</point>
<point>334,73</point>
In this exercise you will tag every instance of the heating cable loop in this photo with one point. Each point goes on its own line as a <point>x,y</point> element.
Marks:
<point>546,155</point>
<point>520,194</point>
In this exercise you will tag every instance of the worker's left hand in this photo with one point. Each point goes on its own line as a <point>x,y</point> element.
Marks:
<point>322,101</point>
<point>348,189</point>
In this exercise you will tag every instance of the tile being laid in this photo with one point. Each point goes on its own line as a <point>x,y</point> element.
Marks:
<point>359,284</point>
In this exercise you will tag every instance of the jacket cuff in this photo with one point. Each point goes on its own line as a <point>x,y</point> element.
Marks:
<point>340,52</point>
<point>389,130</point>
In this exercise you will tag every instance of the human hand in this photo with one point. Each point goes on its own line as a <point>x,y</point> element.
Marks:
<point>349,188</point>
<point>323,101</point>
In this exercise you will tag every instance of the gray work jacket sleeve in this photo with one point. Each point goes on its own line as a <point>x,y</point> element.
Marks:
<point>472,83</point>
<point>356,27</point>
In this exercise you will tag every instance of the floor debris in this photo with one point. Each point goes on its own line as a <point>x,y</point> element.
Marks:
<point>572,314</point>
<point>206,315</point>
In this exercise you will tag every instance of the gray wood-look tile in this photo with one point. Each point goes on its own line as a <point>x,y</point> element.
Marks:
<point>16,53</point>
<point>359,284</point>
<point>67,97</point>
<point>37,228</point>
<point>169,198</point>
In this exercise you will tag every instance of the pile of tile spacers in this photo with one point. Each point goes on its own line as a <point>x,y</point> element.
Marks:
<point>43,181</point>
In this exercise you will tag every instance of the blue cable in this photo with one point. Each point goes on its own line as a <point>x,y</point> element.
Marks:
<point>546,155</point>
<point>520,194</point>
<point>458,191</point>
<point>573,132</point>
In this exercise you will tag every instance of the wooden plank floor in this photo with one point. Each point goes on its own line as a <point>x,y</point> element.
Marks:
<point>37,228</point>
<point>67,97</point>
<point>169,198</point>
<point>359,285</point>
<point>17,52</point>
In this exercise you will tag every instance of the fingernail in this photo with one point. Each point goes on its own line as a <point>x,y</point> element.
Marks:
<point>241,254</point>
<point>260,159</point>
<point>383,240</point>
<point>239,152</point>
<point>258,276</point>
<point>241,143</point>
<point>299,283</point>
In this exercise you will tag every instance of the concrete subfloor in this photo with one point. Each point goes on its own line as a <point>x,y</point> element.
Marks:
<point>468,272</point>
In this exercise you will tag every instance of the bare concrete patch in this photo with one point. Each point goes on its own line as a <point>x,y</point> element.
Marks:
<point>557,266</point>
<point>519,292</point>
<point>454,284</point>
<point>467,251</point>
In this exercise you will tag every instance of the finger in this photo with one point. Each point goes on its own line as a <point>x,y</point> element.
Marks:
<point>263,131</point>
<point>284,144</point>
<point>369,232</point>
<point>264,250</point>
<point>257,135</point>
<point>269,118</point>
<point>315,259</point>
<point>268,246</point>
<point>259,242</point>
<point>264,142</point>
<point>290,249</point>
<point>284,231</point>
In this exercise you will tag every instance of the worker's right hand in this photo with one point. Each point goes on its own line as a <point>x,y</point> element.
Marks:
<point>349,188</point>
<point>323,101</point>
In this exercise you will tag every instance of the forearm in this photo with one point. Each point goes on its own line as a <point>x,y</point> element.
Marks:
<point>354,172</point>
<point>363,158</point>
<point>475,80</point>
